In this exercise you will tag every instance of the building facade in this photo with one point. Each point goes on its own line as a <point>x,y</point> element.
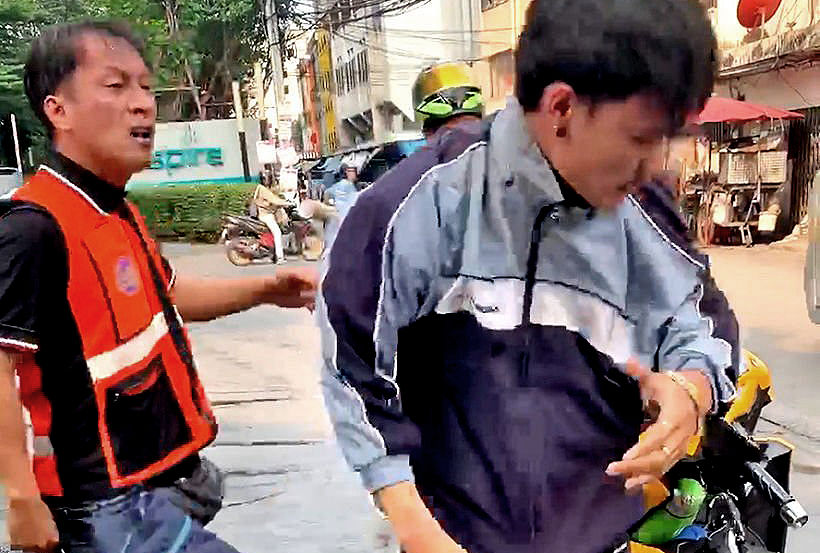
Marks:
<point>376,58</point>
<point>501,23</point>
<point>326,88</point>
<point>311,146</point>
<point>774,62</point>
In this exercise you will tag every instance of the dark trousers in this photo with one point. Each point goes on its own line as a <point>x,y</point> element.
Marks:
<point>139,521</point>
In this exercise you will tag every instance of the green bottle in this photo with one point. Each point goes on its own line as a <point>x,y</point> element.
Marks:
<point>666,521</point>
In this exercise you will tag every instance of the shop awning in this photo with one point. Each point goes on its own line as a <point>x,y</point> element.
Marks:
<point>727,110</point>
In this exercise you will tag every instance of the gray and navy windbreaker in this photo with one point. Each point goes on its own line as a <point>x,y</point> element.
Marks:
<point>474,326</point>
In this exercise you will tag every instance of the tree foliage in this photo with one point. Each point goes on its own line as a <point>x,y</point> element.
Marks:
<point>196,47</point>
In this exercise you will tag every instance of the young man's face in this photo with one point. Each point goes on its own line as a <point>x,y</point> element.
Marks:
<point>609,149</point>
<point>109,110</point>
<point>351,174</point>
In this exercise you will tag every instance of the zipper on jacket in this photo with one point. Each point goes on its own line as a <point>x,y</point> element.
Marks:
<point>529,286</point>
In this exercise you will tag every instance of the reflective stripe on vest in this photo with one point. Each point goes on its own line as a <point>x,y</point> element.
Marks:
<point>41,446</point>
<point>130,353</point>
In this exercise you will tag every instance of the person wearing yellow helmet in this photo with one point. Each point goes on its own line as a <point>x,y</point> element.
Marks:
<point>446,94</point>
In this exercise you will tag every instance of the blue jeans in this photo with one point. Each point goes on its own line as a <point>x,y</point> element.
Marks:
<point>139,521</point>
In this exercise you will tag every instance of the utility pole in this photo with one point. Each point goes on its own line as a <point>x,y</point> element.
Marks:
<point>240,125</point>
<point>264,133</point>
<point>471,4</point>
<point>259,81</point>
<point>16,144</point>
<point>274,38</point>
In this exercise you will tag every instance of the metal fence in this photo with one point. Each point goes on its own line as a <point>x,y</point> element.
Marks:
<point>804,150</point>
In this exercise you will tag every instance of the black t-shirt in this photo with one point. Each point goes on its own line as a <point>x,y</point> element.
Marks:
<point>36,318</point>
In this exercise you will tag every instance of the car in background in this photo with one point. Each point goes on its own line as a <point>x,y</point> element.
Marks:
<point>372,161</point>
<point>10,180</point>
<point>385,157</point>
<point>812,279</point>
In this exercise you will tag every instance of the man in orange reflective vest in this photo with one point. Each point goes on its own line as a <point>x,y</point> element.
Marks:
<point>93,351</point>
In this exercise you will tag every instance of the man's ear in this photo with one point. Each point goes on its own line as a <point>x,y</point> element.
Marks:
<point>557,102</point>
<point>55,110</point>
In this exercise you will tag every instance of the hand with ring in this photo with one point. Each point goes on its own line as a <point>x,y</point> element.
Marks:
<point>664,442</point>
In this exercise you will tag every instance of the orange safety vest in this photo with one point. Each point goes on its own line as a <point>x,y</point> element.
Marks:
<point>136,363</point>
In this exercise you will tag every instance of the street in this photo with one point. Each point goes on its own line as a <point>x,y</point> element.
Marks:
<point>764,285</point>
<point>288,487</point>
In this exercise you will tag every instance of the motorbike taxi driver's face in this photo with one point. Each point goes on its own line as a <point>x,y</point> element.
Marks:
<point>104,113</point>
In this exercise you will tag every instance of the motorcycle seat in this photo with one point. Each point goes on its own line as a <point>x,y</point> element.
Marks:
<point>248,221</point>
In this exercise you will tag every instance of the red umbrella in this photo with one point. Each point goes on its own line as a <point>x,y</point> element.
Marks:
<point>727,110</point>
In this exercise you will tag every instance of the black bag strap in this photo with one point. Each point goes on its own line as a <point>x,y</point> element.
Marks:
<point>168,309</point>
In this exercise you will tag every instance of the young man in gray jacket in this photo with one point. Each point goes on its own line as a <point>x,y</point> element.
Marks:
<point>499,308</point>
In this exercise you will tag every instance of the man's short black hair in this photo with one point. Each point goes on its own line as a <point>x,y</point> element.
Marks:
<point>612,49</point>
<point>54,57</point>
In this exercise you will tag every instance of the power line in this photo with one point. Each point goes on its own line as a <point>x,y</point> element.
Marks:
<point>391,7</point>
<point>424,36</point>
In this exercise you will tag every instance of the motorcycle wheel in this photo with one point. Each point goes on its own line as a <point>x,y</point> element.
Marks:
<point>235,256</point>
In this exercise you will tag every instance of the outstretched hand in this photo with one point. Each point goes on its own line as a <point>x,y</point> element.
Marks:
<point>293,288</point>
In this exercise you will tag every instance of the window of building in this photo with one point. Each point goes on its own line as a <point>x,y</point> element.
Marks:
<point>354,69</point>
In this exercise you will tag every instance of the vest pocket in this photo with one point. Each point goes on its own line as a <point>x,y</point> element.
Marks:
<point>144,419</point>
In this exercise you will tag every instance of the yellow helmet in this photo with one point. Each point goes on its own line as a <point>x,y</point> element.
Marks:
<point>445,90</point>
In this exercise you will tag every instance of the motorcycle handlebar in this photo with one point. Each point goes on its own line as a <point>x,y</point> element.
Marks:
<point>789,508</point>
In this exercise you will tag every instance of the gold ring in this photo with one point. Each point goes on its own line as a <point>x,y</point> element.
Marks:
<point>666,450</point>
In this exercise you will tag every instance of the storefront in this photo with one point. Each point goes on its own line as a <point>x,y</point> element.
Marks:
<point>738,173</point>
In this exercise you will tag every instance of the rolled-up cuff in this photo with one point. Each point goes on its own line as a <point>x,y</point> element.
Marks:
<point>723,391</point>
<point>386,471</point>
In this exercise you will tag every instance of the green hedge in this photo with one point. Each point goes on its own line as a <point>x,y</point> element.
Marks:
<point>190,212</point>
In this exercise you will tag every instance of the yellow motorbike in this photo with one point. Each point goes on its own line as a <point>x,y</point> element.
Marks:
<point>745,504</point>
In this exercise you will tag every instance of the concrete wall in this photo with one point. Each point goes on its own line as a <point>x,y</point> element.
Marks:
<point>199,151</point>
<point>790,88</point>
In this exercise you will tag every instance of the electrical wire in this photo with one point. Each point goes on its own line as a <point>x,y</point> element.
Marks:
<point>782,78</point>
<point>425,37</point>
<point>388,7</point>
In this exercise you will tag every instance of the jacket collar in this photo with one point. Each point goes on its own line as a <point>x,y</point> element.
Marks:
<point>517,158</point>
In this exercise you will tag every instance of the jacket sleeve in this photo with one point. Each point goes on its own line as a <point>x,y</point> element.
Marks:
<point>712,315</point>
<point>689,343</point>
<point>376,281</point>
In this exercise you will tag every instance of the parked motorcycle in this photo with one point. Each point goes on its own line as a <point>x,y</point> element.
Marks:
<point>248,240</point>
<point>738,485</point>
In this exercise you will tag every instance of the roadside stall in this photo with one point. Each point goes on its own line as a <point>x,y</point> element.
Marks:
<point>744,180</point>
